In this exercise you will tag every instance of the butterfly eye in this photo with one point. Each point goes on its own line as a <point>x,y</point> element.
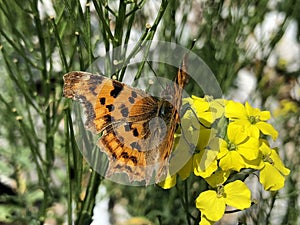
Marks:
<point>165,109</point>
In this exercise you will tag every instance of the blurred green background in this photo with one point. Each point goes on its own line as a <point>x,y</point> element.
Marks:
<point>251,46</point>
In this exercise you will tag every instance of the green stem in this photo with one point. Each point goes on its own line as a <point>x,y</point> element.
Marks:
<point>86,212</point>
<point>104,22</point>
<point>60,45</point>
<point>150,36</point>
<point>146,36</point>
<point>88,34</point>
<point>19,82</point>
<point>67,119</point>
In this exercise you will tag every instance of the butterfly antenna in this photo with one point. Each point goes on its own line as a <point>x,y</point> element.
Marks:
<point>182,76</point>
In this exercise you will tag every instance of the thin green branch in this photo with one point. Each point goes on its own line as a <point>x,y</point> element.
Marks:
<point>60,45</point>
<point>103,21</point>
<point>19,82</point>
<point>146,36</point>
<point>20,51</point>
<point>68,154</point>
<point>137,6</point>
<point>88,33</point>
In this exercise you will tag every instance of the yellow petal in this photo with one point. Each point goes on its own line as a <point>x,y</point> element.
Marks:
<point>278,163</point>
<point>249,149</point>
<point>169,182</point>
<point>265,115</point>
<point>232,161</point>
<point>212,206</point>
<point>267,129</point>
<point>205,221</point>
<point>235,110</point>
<point>205,163</point>
<point>271,178</point>
<point>218,178</point>
<point>236,133</point>
<point>223,148</point>
<point>201,105</point>
<point>205,135</point>
<point>238,195</point>
<point>249,109</point>
<point>253,131</point>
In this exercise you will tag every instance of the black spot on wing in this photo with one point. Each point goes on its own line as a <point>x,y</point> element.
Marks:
<point>127,126</point>
<point>124,110</point>
<point>131,100</point>
<point>136,146</point>
<point>118,87</point>
<point>94,81</point>
<point>128,168</point>
<point>102,101</point>
<point>110,107</point>
<point>135,132</point>
<point>133,94</point>
<point>114,155</point>
<point>124,155</point>
<point>133,159</point>
<point>118,166</point>
<point>108,118</point>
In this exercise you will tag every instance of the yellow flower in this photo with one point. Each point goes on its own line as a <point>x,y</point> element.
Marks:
<point>207,108</point>
<point>201,108</point>
<point>273,171</point>
<point>239,151</point>
<point>253,119</point>
<point>286,107</point>
<point>205,162</point>
<point>212,203</point>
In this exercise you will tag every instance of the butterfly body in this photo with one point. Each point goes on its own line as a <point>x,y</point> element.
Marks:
<point>137,128</point>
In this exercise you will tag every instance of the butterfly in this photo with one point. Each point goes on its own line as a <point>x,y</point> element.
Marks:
<point>137,128</point>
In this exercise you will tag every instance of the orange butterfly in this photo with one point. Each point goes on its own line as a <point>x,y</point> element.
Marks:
<point>137,128</point>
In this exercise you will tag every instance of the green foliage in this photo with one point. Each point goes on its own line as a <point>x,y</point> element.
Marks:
<point>38,149</point>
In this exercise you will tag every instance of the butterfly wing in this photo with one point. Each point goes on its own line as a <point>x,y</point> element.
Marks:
<point>105,100</point>
<point>134,133</point>
<point>133,145</point>
<point>167,145</point>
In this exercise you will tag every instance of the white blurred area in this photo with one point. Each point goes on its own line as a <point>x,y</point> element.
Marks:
<point>106,213</point>
<point>286,52</point>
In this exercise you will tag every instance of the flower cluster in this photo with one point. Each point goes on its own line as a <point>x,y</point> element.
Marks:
<point>231,138</point>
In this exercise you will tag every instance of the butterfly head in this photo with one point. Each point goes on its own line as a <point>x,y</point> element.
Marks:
<point>165,109</point>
